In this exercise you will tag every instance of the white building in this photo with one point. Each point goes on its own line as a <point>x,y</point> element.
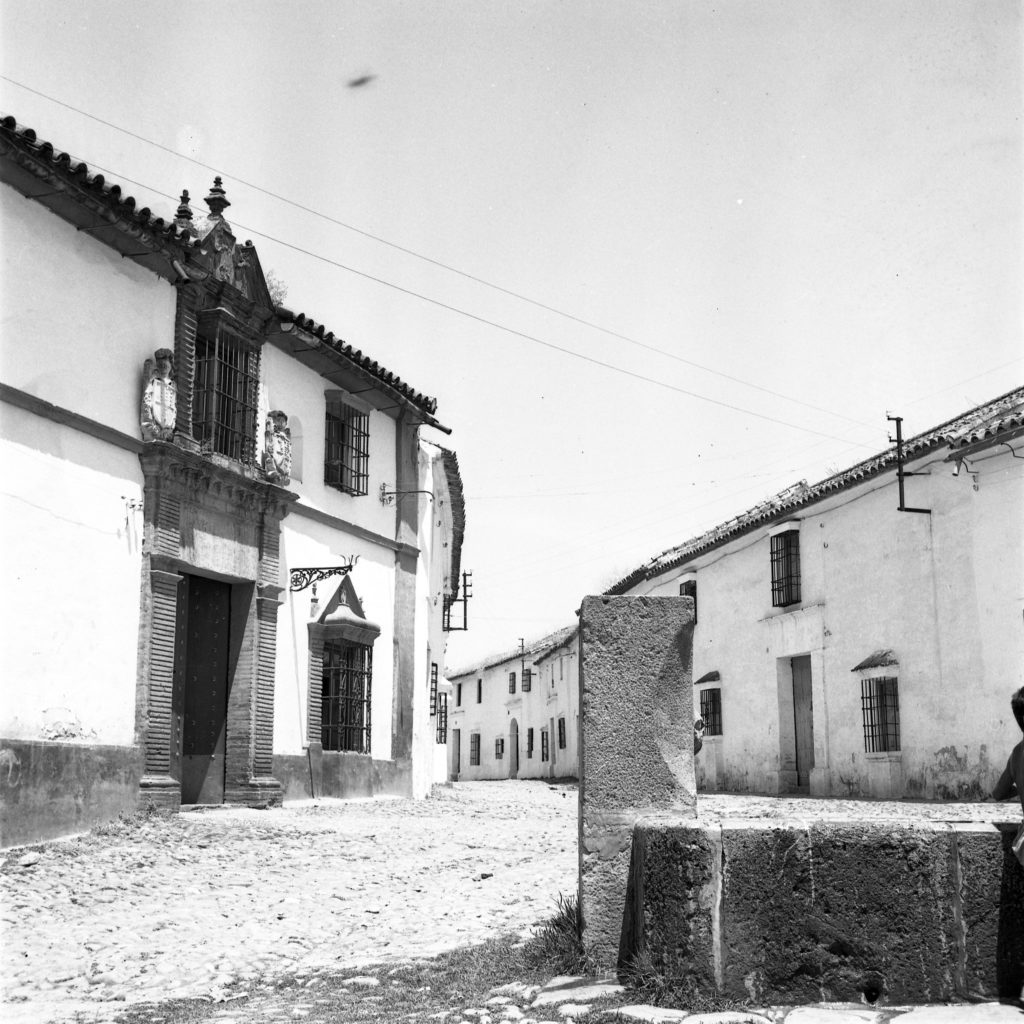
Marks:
<point>198,607</point>
<point>847,648</point>
<point>516,715</point>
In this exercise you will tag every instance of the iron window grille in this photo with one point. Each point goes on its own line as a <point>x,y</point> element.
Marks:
<point>529,742</point>
<point>474,748</point>
<point>785,555</point>
<point>433,688</point>
<point>544,751</point>
<point>511,682</point>
<point>499,748</point>
<point>225,397</point>
<point>688,588</point>
<point>479,691</point>
<point>442,718</point>
<point>527,680</point>
<point>561,734</point>
<point>458,695</point>
<point>880,706</point>
<point>345,697</point>
<point>347,448</point>
<point>711,711</point>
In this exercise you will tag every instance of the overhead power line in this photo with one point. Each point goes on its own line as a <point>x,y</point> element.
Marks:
<point>435,262</point>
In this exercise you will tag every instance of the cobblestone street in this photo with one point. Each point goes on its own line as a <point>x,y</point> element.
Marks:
<point>194,904</point>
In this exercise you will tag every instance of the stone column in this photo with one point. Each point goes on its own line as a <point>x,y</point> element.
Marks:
<point>636,748</point>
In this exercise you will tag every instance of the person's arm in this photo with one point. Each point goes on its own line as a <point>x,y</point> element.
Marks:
<point>1005,787</point>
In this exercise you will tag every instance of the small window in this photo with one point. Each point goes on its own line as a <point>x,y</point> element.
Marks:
<point>433,688</point>
<point>458,695</point>
<point>544,752</point>
<point>347,448</point>
<point>688,588</point>
<point>479,691</point>
<point>442,718</point>
<point>527,680</point>
<point>785,555</point>
<point>499,749</point>
<point>474,748</point>
<point>529,742</point>
<point>880,706</point>
<point>711,711</point>
<point>511,682</point>
<point>561,734</point>
<point>345,697</point>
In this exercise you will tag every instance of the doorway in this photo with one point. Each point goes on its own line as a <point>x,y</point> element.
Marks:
<point>456,765</point>
<point>513,748</point>
<point>803,720</point>
<point>202,687</point>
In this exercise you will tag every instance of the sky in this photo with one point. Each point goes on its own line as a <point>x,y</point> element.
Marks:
<point>655,261</point>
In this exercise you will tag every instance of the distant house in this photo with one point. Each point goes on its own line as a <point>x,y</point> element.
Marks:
<point>228,549</point>
<point>516,715</point>
<point>843,647</point>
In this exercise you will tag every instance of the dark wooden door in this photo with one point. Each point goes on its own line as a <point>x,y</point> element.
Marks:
<point>803,719</point>
<point>208,618</point>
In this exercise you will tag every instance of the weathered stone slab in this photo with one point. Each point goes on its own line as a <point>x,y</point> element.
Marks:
<point>636,747</point>
<point>845,911</point>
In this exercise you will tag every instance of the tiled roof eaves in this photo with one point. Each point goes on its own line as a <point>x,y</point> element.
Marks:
<point>75,174</point>
<point>391,380</point>
<point>983,422</point>
<point>534,652</point>
<point>451,469</point>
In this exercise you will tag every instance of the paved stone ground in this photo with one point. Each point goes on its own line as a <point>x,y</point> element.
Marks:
<point>197,903</point>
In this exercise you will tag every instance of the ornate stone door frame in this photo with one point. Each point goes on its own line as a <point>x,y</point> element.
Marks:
<point>207,519</point>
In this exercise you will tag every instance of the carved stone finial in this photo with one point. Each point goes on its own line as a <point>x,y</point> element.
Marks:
<point>277,455</point>
<point>159,397</point>
<point>217,200</point>
<point>183,216</point>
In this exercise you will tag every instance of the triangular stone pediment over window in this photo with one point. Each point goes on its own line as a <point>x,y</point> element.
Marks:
<point>342,618</point>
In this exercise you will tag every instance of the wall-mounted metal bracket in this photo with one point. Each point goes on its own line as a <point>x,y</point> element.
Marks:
<point>302,578</point>
<point>901,474</point>
<point>387,497</point>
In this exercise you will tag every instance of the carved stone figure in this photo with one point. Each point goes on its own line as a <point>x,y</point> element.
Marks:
<point>277,454</point>
<point>159,397</point>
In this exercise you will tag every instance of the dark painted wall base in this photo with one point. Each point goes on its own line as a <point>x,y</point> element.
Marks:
<point>52,789</point>
<point>340,775</point>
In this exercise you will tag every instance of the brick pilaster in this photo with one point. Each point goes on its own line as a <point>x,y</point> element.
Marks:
<point>185,324</point>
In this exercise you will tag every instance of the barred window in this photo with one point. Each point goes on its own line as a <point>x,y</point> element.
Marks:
<point>345,697</point>
<point>880,706</point>
<point>442,718</point>
<point>785,556</point>
<point>711,711</point>
<point>499,748</point>
<point>433,688</point>
<point>529,742</point>
<point>479,691</point>
<point>474,748</point>
<point>688,588</point>
<point>561,734</point>
<point>527,680</point>
<point>347,448</point>
<point>511,682</point>
<point>225,396</point>
<point>544,751</point>
<point>458,695</point>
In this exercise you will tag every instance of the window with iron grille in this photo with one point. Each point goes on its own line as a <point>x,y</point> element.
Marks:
<point>433,688</point>
<point>225,396</point>
<point>347,448</point>
<point>345,697</point>
<point>442,718</point>
<point>561,734</point>
<point>544,744</point>
<point>479,691</point>
<point>880,706</point>
<point>511,682</point>
<point>499,748</point>
<point>785,554</point>
<point>711,711</point>
<point>474,748</point>
<point>458,695</point>
<point>688,588</point>
<point>529,742</point>
<point>527,680</point>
